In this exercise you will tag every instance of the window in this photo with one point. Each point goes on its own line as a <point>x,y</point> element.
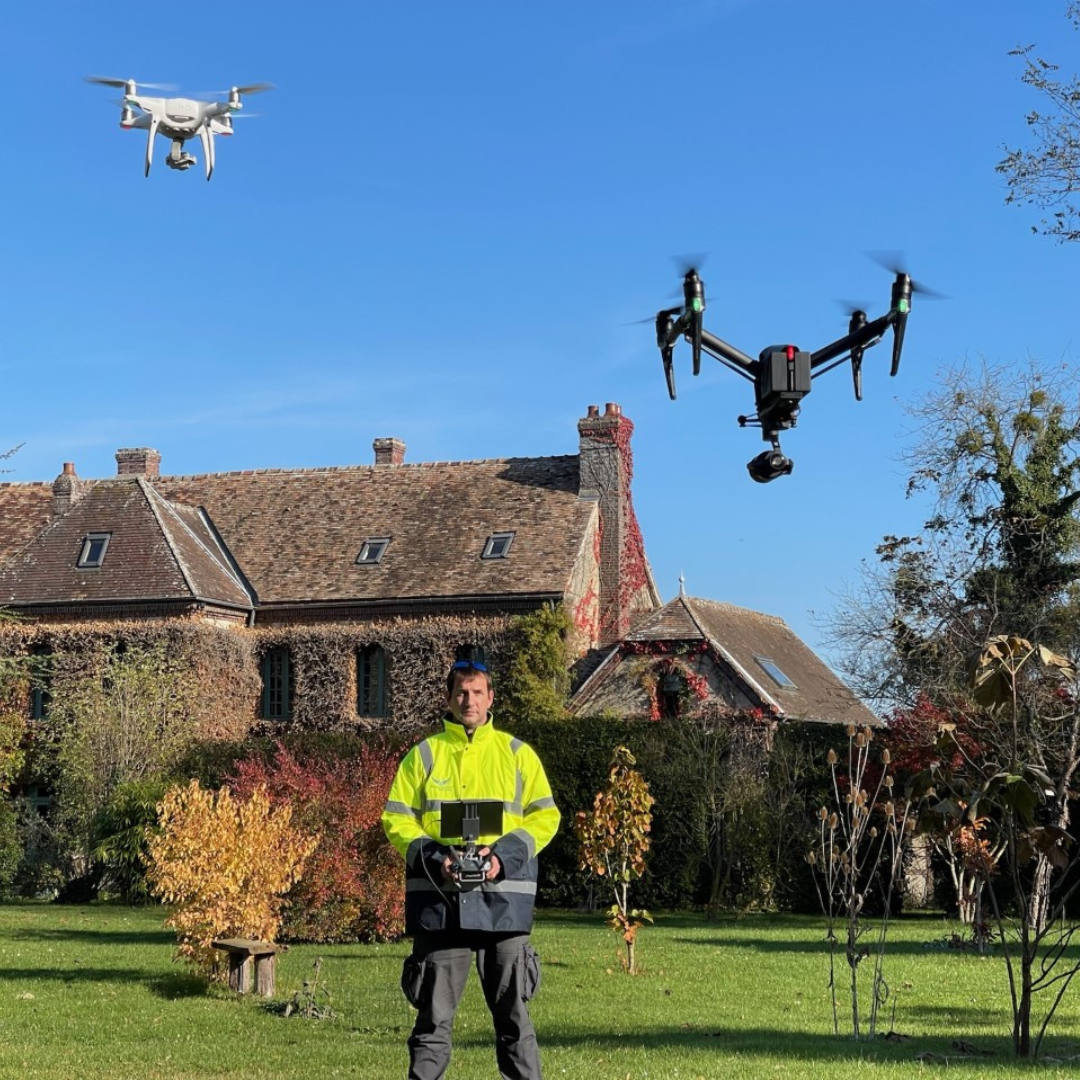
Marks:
<point>93,550</point>
<point>39,798</point>
<point>772,669</point>
<point>670,697</point>
<point>498,545</point>
<point>276,685</point>
<point>371,681</point>
<point>40,682</point>
<point>373,550</point>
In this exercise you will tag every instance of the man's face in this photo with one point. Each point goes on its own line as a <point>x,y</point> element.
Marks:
<point>470,700</point>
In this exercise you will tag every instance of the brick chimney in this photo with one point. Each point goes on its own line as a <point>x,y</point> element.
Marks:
<point>140,461</point>
<point>67,489</point>
<point>605,468</point>
<point>389,452</point>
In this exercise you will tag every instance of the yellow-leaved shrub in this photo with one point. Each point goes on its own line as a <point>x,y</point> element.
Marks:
<point>223,865</point>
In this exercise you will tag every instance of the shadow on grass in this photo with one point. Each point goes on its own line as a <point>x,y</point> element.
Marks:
<point>179,985</point>
<point>989,1053</point>
<point>78,972</point>
<point>893,947</point>
<point>95,937</point>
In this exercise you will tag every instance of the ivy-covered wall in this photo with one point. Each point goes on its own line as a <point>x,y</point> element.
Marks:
<point>219,661</point>
<point>224,665</point>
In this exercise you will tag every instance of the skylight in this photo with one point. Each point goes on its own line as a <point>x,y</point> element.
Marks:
<point>772,669</point>
<point>373,550</point>
<point>93,550</point>
<point>498,545</point>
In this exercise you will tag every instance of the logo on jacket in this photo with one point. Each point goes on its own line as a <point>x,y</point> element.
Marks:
<point>438,782</point>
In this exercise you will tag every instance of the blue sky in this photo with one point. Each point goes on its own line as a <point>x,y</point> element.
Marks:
<point>448,216</point>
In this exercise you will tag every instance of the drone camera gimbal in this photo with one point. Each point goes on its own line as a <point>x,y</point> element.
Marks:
<point>782,374</point>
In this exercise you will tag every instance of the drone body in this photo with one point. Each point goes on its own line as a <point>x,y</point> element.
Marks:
<point>178,119</point>
<point>781,374</point>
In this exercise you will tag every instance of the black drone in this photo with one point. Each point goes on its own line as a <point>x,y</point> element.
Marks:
<point>782,373</point>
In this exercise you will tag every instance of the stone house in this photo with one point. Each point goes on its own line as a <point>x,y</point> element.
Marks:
<point>692,652</point>
<point>357,585</point>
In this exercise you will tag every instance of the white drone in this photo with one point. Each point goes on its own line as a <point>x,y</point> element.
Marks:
<point>178,119</point>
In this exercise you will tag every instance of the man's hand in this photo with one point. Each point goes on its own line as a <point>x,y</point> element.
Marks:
<point>493,871</point>
<point>496,867</point>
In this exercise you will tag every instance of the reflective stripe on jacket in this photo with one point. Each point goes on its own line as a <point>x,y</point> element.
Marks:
<point>449,767</point>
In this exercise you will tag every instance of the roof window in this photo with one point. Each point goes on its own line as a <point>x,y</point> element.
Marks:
<point>93,550</point>
<point>772,669</point>
<point>498,545</point>
<point>373,550</point>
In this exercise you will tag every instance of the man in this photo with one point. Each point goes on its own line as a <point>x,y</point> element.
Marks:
<point>456,908</point>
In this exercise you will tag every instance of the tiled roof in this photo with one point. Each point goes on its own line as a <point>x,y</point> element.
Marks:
<point>155,552</point>
<point>744,635</point>
<point>296,534</point>
<point>292,536</point>
<point>740,636</point>
<point>24,512</point>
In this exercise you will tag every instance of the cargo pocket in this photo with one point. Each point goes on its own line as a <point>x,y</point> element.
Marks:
<point>530,972</point>
<point>412,980</point>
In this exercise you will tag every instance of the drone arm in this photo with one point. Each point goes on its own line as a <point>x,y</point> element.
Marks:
<point>206,136</point>
<point>728,355</point>
<point>151,132</point>
<point>673,328</point>
<point>862,338</point>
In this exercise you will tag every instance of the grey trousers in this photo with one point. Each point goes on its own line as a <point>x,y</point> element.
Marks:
<point>447,958</point>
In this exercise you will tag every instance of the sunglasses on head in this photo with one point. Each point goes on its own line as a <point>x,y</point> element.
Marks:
<point>465,665</point>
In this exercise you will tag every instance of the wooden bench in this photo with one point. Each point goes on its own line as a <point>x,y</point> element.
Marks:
<point>251,964</point>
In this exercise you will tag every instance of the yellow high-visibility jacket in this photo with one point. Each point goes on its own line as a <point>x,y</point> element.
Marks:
<point>453,766</point>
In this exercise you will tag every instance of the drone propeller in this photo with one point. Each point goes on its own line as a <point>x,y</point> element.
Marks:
<point>253,88</point>
<point>102,80</point>
<point>686,263</point>
<point>900,304</point>
<point>894,262</point>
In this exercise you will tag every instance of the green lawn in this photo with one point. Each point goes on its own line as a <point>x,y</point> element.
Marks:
<point>92,992</point>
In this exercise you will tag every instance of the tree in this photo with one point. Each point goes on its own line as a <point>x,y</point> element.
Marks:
<point>615,840</point>
<point>352,889</point>
<point>224,866</point>
<point>929,737</point>
<point>859,850</point>
<point>998,454</point>
<point>537,680</point>
<point>723,755</point>
<point>125,723</point>
<point>1048,174</point>
<point>1017,796</point>
<point>995,568</point>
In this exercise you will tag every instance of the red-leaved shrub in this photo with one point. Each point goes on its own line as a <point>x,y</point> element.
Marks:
<point>352,888</point>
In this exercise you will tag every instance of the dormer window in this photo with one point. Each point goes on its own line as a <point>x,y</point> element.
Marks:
<point>93,550</point>
<point>772,669</point>
<point>373,550</point>
<point>498,545</point>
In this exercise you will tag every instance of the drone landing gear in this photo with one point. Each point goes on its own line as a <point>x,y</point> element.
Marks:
<point>179,158</point>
